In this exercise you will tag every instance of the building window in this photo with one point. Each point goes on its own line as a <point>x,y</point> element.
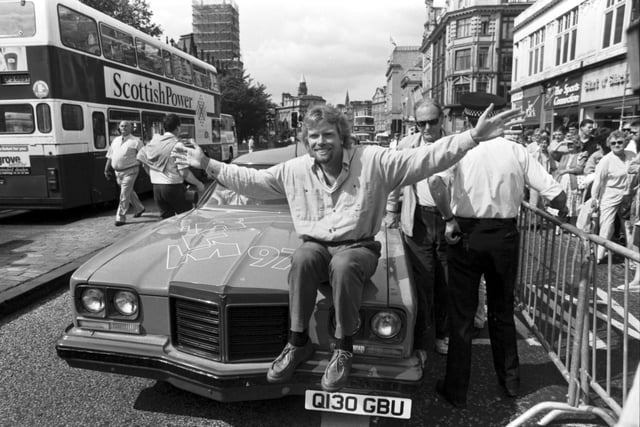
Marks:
<point>463,28</point>
<point>613,23</point>
<point>483,57</point>
<point>506,29</point>
<point>483,25</point>
<point>463,59</point>
<point>504,88</point>
<point>481,86</point>
<point>566,39</point>
<point>459,90</point>
<point>506,60</point>
<point>536,51</point>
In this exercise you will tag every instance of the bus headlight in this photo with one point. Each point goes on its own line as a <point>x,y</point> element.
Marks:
<point>93,300</point>
<point>40,89</point>
<point>126,303</point>
<point>386,324</point>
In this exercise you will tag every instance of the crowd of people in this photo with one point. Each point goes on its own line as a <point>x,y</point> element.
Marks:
<point>598,170</point>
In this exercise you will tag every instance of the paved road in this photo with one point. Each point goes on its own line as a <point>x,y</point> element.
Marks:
<point>37,246</point>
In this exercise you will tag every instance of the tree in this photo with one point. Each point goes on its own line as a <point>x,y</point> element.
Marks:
<point>132,12</point>
<point>249,103</point>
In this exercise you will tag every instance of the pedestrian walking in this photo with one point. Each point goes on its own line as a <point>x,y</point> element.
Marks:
<point>123,164</point>
<point>337,195</point>
<point>168,179</point>
<point>252,144</point>
<point>481,205</point>
<point>422,227</point>
<point>610,186</point>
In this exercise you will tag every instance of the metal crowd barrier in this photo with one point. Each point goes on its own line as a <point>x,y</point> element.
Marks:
<point>568,301</point>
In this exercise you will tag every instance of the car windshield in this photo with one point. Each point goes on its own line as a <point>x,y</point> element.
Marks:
<point>222,196</point>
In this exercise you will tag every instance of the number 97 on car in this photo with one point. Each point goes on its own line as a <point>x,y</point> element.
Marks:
<point>358,404</point>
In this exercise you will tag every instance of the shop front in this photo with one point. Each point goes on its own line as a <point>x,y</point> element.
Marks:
<point>562,102</point>
<point>607,97</point>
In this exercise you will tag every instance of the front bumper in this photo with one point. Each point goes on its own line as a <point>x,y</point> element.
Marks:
<point>154,357</point>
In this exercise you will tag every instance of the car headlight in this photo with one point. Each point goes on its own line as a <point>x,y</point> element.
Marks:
<point>386,324</point>
<point>93,300</point>
<point>126,303</point>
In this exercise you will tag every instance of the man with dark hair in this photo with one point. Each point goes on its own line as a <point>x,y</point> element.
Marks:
<point>167,178</point>
<point>423,231</point>
<point>585,133</point>
<point>482,202</point>
<point>337,194</point>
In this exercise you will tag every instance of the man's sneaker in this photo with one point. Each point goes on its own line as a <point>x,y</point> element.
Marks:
<point>337,373</point>
<point>442,345</point>
<point>284,366</point>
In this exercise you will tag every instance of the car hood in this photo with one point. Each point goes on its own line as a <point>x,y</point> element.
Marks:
<point>224,250</point>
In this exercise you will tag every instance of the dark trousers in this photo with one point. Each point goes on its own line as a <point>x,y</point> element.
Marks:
<point>171,199</point>
<point>489,247</point>
<point>428,255</point>
<point>345,267</point>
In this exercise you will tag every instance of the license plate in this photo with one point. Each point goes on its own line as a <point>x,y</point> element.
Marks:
<point>358,404</point>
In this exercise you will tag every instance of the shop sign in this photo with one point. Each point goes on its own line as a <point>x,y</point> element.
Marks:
<point>605,82</point>
<point>563,93</point>
<point>531,105</point>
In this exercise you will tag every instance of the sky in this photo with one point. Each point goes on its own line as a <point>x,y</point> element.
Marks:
<point>337,45</point>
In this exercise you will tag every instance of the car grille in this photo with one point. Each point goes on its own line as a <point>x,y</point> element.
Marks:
<point>254,332</point>
<point>196,328</point>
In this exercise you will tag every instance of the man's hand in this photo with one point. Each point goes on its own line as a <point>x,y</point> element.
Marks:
<point>391,219</point>
<point>109,175</point>
<point>491,127</point>
<point>452,232</point>
<point>192,156</point>
<point>200,186</point>
<point>563,212</point>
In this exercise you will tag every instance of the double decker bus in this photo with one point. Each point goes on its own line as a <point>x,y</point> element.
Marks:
<point>68,75</point>
<point>364,129</point>
<point>225,138</point>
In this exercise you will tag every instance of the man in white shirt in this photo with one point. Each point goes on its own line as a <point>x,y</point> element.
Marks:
<point>122,158</point>
<point>167,178</point>
<point>486,190</point>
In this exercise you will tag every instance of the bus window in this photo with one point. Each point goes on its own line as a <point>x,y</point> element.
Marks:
<point>200,77</point>
<point>99,131</point>
<point>166,57</point>
<point>78,31</point>
<point>116,116</point>
<point>152,124</point>
<point>118,45</point>
<point>17,19</point>
<point>187,127</point>
<point>215,130</point>
<point>72,117</point>
<point>213,81</point>
<point>43,114</point>
<point>16,118</point>
<point>149,56</point>
<point>181,69</point>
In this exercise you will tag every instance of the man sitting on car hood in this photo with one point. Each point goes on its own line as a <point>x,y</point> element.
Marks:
<point>337,195</point>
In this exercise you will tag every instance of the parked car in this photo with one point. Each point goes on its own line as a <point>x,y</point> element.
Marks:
<point>200,301</point>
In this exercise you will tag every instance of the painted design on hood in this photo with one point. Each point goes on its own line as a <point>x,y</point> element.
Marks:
<point>202,241</point>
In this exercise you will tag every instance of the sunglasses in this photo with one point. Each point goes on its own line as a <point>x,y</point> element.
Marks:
<point>423,123</point>
<point>626,130</point>
<point>635,132</point>
<point>621,142</point>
